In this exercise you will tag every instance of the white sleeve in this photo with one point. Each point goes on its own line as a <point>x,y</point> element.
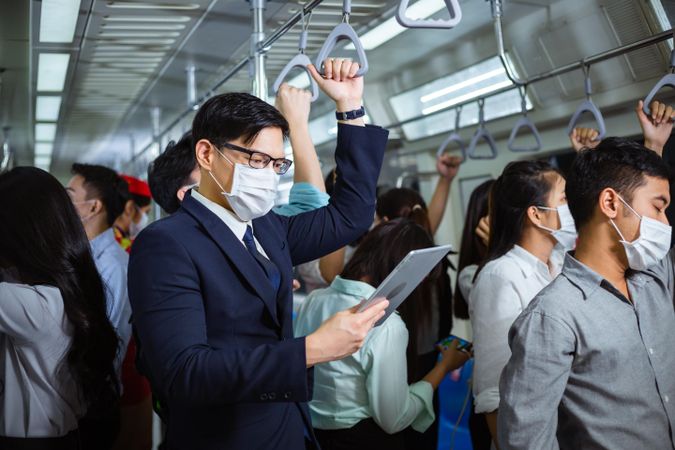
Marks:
<point>495,306</point>
<point>395,405</point>
<point>23,311</point>
<point>465,280</point>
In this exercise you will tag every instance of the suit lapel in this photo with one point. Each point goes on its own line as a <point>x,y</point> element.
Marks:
<point>234,250</point>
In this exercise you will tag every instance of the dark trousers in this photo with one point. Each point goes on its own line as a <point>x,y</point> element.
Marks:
<point>480,433</point>
<point>428,440</point>
<point>100,432</point>
<point>67,442</point>
<point>365,435</point>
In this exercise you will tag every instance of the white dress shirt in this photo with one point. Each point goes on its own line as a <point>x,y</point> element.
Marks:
<point>503,289</point>
<point>233,222</point>
<point>38,395</point>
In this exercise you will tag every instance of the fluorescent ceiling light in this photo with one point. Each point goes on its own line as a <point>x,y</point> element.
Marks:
<point>58,19</point>
<point>167,19</point>
<point>466,97</point>
<point>462,85</point>
<point>141,5</point>
<point>137,34</point>
<point>144,26</point>
<point>47,108</point>
<point>111,47</point>
<point>44,149</point>
<point>390,28</point>
<point>45,132</point>
<point>143,41</point>
<point>52,68</point>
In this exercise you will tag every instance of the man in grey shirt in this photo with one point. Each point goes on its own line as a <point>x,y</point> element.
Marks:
<point>592,362</point>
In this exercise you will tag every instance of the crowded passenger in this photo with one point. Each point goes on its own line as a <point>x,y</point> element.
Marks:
<point>210,286</point>
<point>59,384</point>
<point>134,216</point>
<point>366,400</point>
<point>592,363</point>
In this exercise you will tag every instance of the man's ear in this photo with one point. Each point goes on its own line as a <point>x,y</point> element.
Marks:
<point>129,208</point>
<point>180,193</point>
<point>608,202</point>
<point>205,154</point>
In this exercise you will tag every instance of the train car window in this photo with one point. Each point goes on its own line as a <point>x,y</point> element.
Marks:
<point>467,84</point>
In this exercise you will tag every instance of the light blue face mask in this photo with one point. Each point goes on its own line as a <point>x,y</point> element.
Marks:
<point>566,235</point>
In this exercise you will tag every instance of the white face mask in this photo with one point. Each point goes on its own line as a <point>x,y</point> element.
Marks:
<point>253,190</point>
<point>566,235</point>
<point>136,228</point>
<point>650,247</point>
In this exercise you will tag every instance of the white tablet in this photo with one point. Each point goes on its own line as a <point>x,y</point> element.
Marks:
<point>405,277</point>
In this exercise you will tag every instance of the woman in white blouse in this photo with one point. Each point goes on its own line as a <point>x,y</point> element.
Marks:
<point>528,217</point>
<point>57,346</point>
<point>363,400</point>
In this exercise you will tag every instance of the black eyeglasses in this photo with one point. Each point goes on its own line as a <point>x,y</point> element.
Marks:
<point>259,160</point>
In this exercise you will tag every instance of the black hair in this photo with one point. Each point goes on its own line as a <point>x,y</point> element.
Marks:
<point>105,185</point>
<point>234,115</point>
<point>472,250</point>
<point>140,200</point>
<point>170,171</point>
<point>522,184</point>
<point>617,163</point>
<point>403,202</point>
<point>380,252</point>
<point>43,242</point>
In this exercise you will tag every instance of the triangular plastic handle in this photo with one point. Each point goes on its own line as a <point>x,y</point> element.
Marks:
<point>588,106</point>
<point>668,80</point>
<point>482,133</point>
<point>524,122</point>
<point>300,60</point>
<point>454,138</point>
<point>343,31</point>
<point>441,24</point>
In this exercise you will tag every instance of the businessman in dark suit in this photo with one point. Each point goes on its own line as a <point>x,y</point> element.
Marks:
<point>210,286</point>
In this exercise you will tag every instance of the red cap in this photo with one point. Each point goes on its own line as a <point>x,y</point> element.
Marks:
<point>136,186</point>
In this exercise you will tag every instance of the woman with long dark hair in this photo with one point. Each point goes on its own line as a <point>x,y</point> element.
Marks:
<point>58,346</point>
<point>364,400</point>
<point>528,209</point>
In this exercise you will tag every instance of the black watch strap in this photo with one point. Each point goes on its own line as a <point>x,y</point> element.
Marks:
<point>350,115</point>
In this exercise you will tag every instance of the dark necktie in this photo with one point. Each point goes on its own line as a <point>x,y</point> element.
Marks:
<point>268,266</point>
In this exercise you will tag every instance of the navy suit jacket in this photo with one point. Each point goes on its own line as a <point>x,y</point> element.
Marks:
<point>216,339</point>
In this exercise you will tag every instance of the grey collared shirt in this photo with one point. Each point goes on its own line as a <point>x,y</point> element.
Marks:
<point>589,369</point>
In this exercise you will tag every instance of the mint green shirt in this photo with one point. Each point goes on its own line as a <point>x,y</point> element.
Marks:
<point>373,381</point>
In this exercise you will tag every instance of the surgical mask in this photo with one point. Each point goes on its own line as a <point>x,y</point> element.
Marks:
<point>566,235</point>
<point>253,190</point>
<point>136,228</point>
<point>652,244</point>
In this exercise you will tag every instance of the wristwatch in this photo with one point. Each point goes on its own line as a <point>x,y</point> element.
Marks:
<point>350,115</point>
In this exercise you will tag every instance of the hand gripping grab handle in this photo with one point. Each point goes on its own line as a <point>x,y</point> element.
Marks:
<point>300,60</point>
<point>524,122</point>
<point>667,80</point>
<point>343,31</point>
<point>588,106</point>
<point>454,138</point>
<point>442,24</point>
<point>482,133</point>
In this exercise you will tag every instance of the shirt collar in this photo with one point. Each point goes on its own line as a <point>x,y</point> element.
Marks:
<point>101,242</point>
<point>580,275</point>
<point>353,288</point>
<point>233,222</point>
<point>531,263</point>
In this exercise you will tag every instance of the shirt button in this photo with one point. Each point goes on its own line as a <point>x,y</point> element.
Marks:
<point>272,396</point>
<point>651,351</point>
<point>263,397</point>
<point>287,395</point>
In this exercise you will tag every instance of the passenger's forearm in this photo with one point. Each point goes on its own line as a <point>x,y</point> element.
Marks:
<point>438,203</point>
<point>306,164</point>
<point>491,419</point>
<point>435,375</point>
<point>332,264</point>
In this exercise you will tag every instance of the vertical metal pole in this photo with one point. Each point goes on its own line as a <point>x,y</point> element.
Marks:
<point>191,87</point>
<point>155,113</point>
<point>259,88</point>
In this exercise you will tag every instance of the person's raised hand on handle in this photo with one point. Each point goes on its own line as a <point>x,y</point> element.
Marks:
<point>582,138</point>
<point>483,230</point>
<point>343,334</point>
<point>294,104</point>
<point>656,127</point>
<point>341,84</point>
<point>448,166</point>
